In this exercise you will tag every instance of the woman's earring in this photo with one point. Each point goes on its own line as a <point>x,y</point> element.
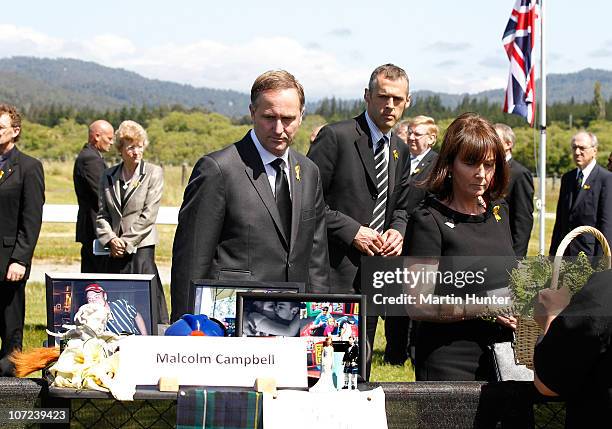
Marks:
<point>450,174</point>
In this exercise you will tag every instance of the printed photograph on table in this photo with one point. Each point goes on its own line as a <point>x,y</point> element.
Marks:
<point>217,298</point>
<point>127,297</point>
<point>314,318</point>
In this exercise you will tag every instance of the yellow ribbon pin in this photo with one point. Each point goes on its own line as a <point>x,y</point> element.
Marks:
<point>297,172</point>
<point>1,174</point>
<point>585,187</point>
<point>395,154</point>
<point>416,171</point>
<point>496,213</point>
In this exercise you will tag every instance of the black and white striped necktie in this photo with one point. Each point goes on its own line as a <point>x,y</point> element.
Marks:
<point>382,185</point>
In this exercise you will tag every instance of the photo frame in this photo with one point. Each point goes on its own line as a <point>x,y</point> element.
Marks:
<point>217,298</point>
<point>130,296</point>
<point>298,315</point>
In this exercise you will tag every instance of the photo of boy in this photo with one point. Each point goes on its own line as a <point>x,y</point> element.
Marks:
<point>272,318</point>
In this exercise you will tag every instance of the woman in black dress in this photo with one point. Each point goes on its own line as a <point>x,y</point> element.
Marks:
<point>461,228</point>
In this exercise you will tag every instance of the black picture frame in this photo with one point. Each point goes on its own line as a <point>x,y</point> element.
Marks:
<point>65,293</point>
<point>227,289</point>
<point>339,307</point>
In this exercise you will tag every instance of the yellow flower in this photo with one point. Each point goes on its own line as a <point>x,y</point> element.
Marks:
<point>416,171</point>
<point>1,174</point>
<point>395,154</point>
<point>585,187</point>
<point>496,213</point>
<point>297,172</point>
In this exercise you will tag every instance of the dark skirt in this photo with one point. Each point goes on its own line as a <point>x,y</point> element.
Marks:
<point>143,262</point>
<point>457,351</point>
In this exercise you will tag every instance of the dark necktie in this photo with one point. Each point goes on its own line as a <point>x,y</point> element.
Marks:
<point>382,185</point>
<point>579,180</point>
<point>281,194</point>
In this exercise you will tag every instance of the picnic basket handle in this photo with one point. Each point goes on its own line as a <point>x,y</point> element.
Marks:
<point>554,281</point>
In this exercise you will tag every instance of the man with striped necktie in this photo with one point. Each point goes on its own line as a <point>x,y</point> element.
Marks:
<point>365,170</point>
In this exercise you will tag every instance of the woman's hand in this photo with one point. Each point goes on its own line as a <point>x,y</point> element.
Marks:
<point>117,247</point>
<point>549,304</point>
<point>507,321</point>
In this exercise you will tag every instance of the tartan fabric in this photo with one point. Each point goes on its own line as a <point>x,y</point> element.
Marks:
<point>210,409</point>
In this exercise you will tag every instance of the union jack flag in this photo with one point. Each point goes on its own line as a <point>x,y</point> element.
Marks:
<point>518,41</point>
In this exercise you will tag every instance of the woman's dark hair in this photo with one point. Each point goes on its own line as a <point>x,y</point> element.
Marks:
<point>470,138</point>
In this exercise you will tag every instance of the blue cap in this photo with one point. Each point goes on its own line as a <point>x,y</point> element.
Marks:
<point>195,322</point>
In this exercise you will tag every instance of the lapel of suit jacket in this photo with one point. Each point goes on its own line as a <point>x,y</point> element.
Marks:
<point>588,182</point>
<point>112,179</point>
<point>9,166</point>
<point>418,171</point>
<point>364,147</point>
<point>134,185</point>
<point>295,177</point>
<point>256,173</point>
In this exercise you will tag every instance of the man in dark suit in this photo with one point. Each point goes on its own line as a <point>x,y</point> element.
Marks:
<point>364,170</point>
<point>519,194</point>
<point>22,195</point>
<point>255,210</point>
<point>585,198</point>
<point>86,175</point>
<point>421,136</point>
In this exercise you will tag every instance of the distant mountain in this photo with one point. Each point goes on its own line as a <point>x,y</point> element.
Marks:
<point>28,81</point>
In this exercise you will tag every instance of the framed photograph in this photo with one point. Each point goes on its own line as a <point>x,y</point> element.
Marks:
<point>127,296</point>
<point>311,317</point>
<point>217,298</point>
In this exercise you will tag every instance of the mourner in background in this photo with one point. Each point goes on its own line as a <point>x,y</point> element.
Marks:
<point>22,195</point>
<point>88,169</point>
<point>254,210</point>
<point>519,194</point>
<point>585,198</point>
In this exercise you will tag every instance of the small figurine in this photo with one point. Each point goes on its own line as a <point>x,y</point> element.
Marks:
<point>326,381</point>
<point>351,364</point>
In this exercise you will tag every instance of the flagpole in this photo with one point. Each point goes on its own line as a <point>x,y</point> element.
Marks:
<point>542,166</point>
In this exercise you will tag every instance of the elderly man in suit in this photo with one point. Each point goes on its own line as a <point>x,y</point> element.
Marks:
<point>585,198</point>
<point>519,194</point>
<point>421,136</point>
<point>364,171</point>
<point>86,175</point>
<point>22,195</point>
<point>255,209</point>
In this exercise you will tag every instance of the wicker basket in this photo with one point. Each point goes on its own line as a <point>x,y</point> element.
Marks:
<point>527,330</point>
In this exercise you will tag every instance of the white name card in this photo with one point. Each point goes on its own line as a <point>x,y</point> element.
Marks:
<point>212,361</point>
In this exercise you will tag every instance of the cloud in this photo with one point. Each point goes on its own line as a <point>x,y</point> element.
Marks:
<point>496,62</point>
<point>601,53</point>
<point>448,46</point>
<point>340,32</point>
<point>447,63</point>
<point>207,63</point>
<point>471,84</point>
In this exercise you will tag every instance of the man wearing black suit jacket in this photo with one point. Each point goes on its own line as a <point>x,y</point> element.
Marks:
<point>22,195</point>
<point>585,198</point>
<point>519,194</point>
<point>255,210</point>
<point>365,211</point>
<point>421,136</point>
<point>88,169</point>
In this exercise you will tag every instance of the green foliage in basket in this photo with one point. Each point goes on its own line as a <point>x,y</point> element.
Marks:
<point>534,274</point>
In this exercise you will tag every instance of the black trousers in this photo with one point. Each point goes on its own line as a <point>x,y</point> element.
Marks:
<point>91,263</point>
<point>397,333</point>
<point>12,317</point>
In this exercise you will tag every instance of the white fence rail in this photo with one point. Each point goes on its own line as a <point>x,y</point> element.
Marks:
<point>68,213</point>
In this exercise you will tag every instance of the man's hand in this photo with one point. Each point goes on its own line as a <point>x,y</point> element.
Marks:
<point>117,247</point>
<point>368,241</point>
<point>393,242</point>
<point>507,321</point>
<point>15,272</point>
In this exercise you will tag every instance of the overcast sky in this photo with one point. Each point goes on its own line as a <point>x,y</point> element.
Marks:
<point>330,45</point>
